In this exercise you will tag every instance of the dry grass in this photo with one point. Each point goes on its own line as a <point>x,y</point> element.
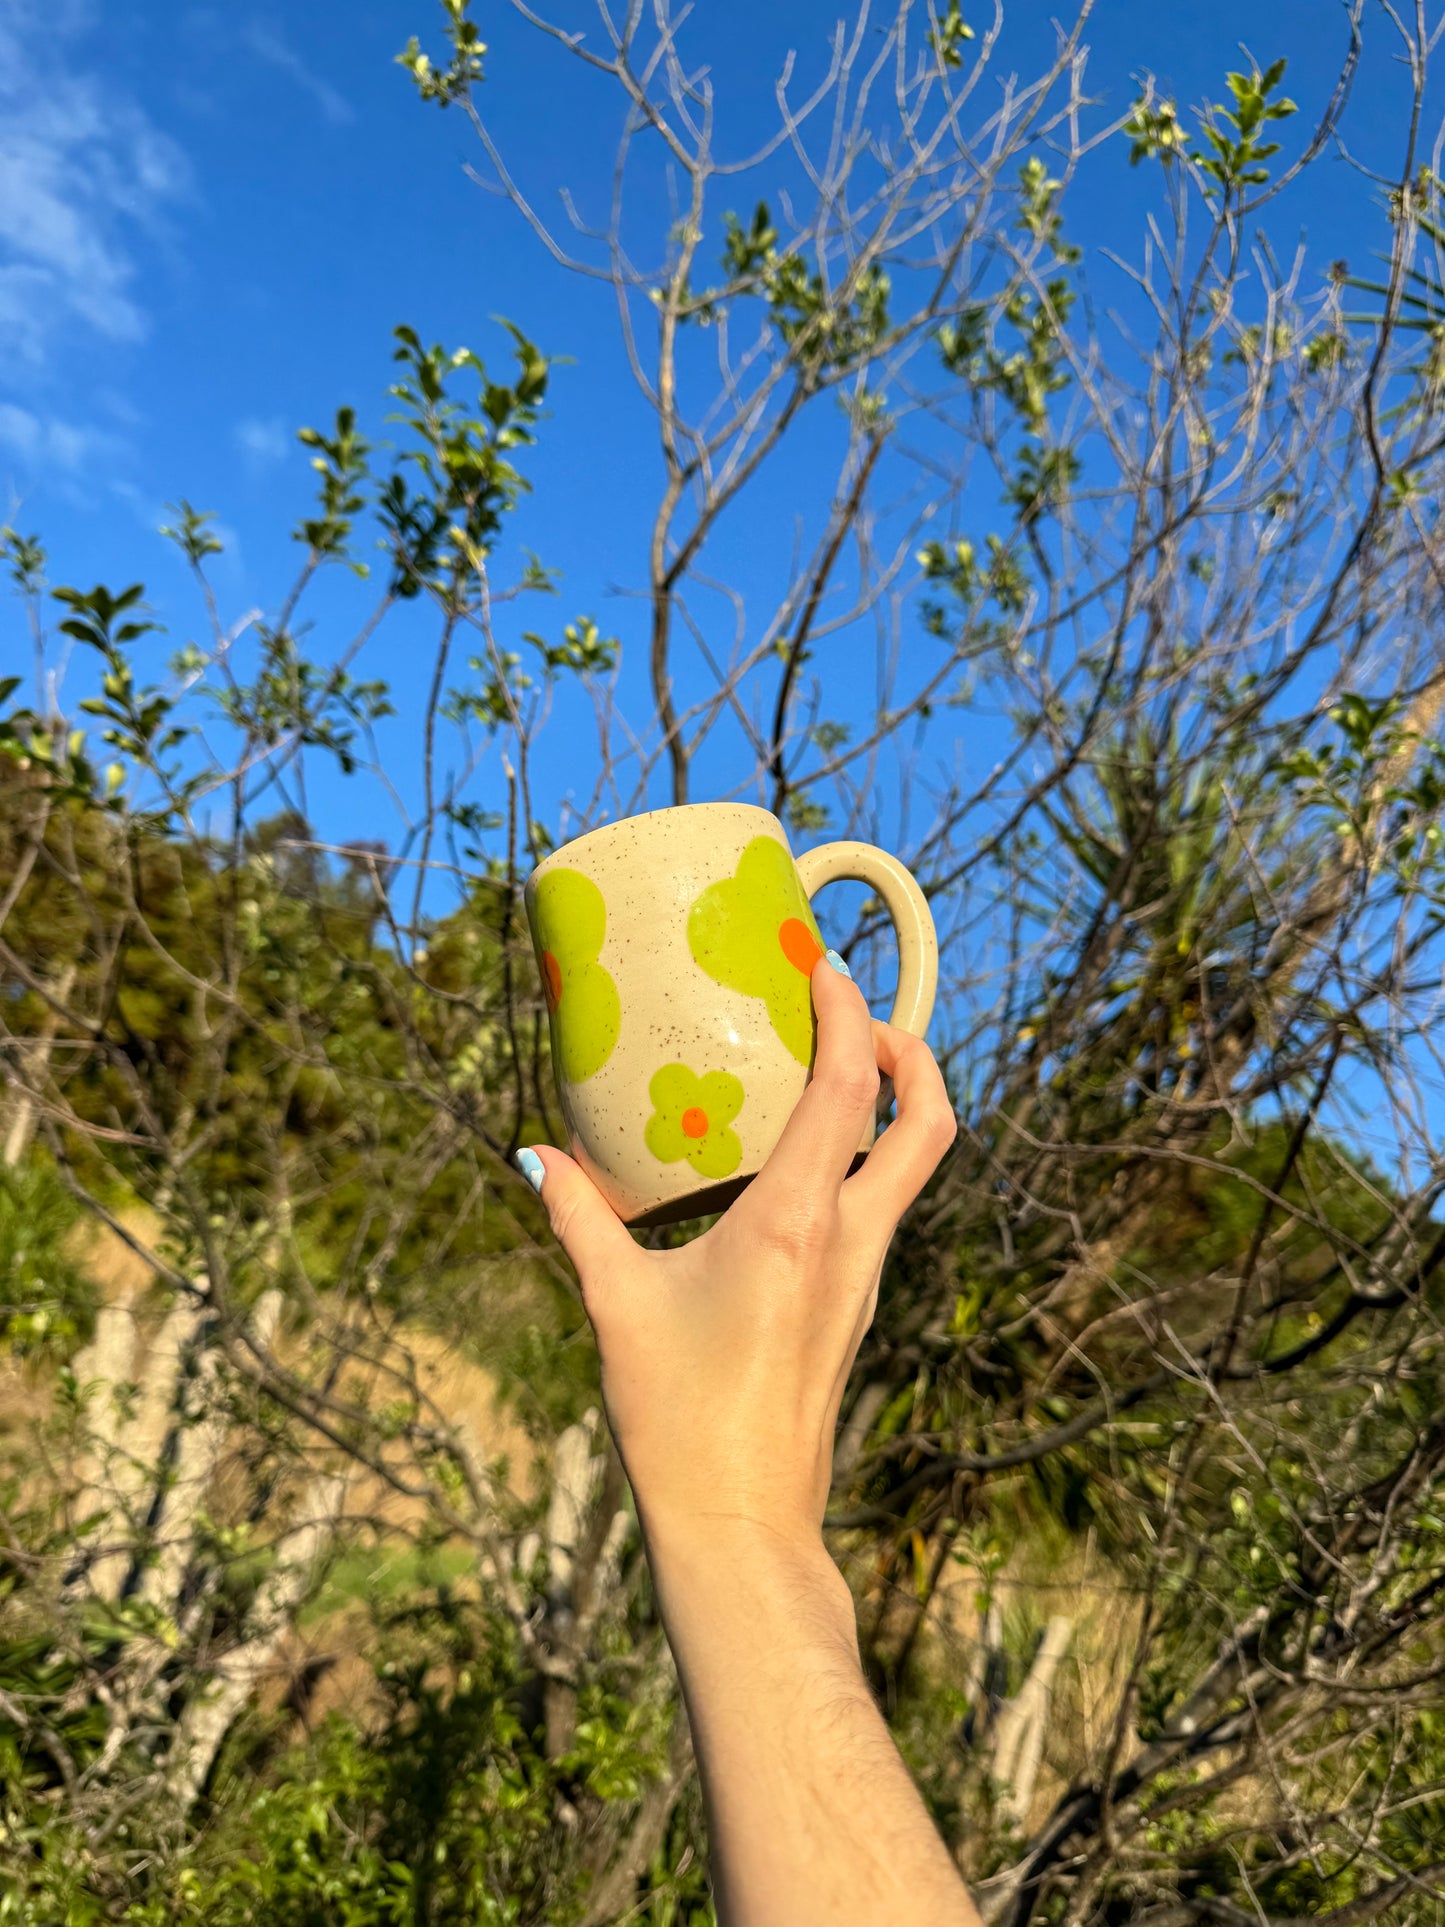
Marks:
<point>1039,1583</point>
<point>380,1523</point>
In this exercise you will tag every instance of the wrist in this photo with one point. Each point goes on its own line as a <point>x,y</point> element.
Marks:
<point>713,1572</point>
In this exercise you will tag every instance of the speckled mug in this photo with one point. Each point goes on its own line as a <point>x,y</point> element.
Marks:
<point>675,950</point>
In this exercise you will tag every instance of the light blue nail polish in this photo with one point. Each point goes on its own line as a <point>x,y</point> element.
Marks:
<point>838,963</point>
<point>531,1168</point>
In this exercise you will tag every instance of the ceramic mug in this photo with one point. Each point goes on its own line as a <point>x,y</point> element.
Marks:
<point>675,951</point>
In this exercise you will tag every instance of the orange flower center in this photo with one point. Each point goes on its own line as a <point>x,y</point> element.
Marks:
<point>551,980</point>
<point>694,1122</point>
<point>800,946</point>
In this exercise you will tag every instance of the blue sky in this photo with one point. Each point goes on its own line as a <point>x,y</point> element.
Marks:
<point>211,219</point>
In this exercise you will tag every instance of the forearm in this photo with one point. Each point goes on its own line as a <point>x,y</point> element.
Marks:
<point>812,1815</point>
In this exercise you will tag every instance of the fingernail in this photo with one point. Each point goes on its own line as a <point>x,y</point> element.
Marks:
<point>838,963</point>
<point>531,1168</point>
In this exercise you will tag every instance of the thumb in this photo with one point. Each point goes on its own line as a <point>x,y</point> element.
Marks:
<point>583,1222</point>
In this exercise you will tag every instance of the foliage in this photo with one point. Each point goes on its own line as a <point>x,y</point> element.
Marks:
<point>49,1299</point>
<point>439,1808</point>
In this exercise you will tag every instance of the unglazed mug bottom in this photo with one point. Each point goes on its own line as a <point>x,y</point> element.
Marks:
<point>704,1204</point>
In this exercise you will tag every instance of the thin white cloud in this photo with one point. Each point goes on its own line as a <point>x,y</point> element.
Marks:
<point>263,443</point>
<point>268,45</point>
<point>36,442</point>
<point>81,167</point>
<point>119,407</point>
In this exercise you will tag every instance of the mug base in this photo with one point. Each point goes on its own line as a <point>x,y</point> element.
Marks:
<point>702,1204</point>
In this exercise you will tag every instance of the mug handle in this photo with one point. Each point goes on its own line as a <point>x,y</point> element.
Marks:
<point>905,904</point>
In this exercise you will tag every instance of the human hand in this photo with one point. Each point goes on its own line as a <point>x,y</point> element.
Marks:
<point>724,1361</point>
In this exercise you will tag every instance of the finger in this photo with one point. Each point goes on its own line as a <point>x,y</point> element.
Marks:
<point>908,1153</point>
<point>821,1137</point>
<point>583,1222</point>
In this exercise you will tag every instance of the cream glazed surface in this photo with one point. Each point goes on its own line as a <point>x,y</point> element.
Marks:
<point>675,950</point>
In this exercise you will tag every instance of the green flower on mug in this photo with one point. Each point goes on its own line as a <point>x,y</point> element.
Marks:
<point>755,932</point>
<point>691,1119</point>
<point>569,917</point>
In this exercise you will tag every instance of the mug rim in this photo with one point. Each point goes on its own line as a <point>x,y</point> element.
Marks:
<point>621,822</point>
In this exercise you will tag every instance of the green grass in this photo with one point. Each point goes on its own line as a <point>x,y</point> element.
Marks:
<point>386,1572</point>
